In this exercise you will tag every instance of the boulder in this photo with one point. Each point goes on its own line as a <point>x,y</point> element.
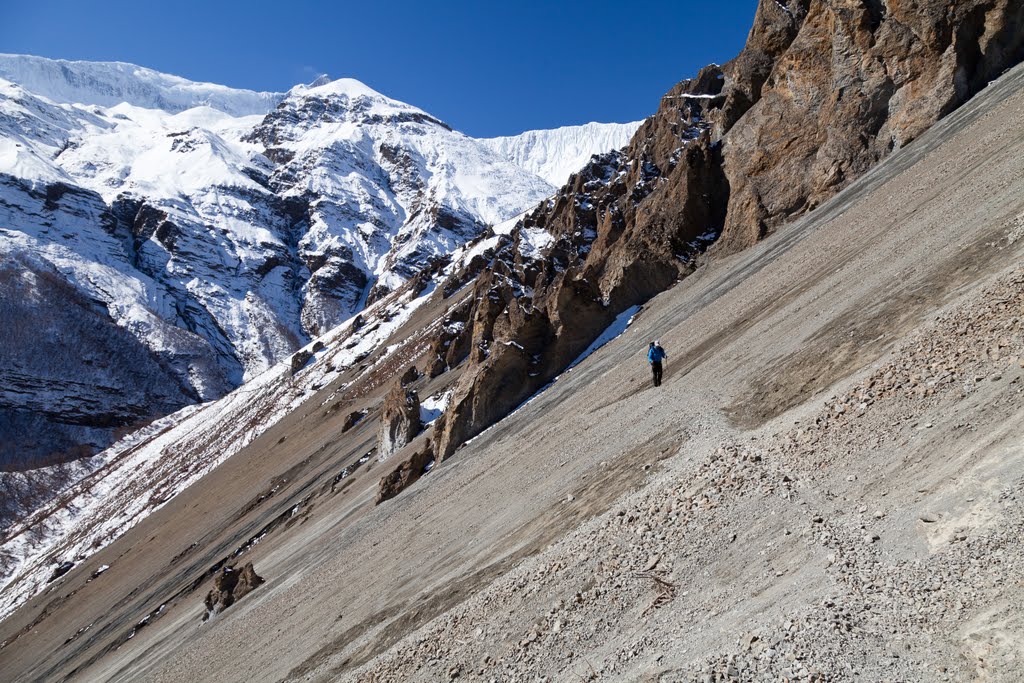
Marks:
<point>299,360</point>
<point>352,419</point>
<point>229,586</point>
<point>405,473</point>
<point>410,375</point>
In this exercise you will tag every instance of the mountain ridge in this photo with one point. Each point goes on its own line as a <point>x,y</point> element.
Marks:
<point>110,83</point>
<point>223,243</point>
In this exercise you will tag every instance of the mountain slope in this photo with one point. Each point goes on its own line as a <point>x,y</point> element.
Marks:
<point>108,84</point>
<point>593,528</point>
<point>556,154</point>
<point>170,224</point>
<point>787,329</point>
<point>221,229</point>
<point>715,164</point>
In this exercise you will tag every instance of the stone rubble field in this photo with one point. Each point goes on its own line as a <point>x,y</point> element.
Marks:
<point>913,573</point>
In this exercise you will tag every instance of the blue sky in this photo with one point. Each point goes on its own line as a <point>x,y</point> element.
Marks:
<point>486,68</point>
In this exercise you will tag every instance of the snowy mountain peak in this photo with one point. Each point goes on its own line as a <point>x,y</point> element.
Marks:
<point>348,87</point>
<point>352,101</point>
<point>107,84</point>
<point>556,153</point>
<point>210,232</point>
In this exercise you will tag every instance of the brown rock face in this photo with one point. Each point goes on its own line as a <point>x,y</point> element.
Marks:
<point>625,228</point>
<point>230,586</point>
<point>410,375</point>
<point>451,346</point>
<point>823,90</point>
<point>405,474</point>
<point>302,357</point>
<point>352,419</point>
<point>399,421</point>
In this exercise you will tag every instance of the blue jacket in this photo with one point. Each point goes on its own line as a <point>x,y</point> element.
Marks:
<point>656,355</point>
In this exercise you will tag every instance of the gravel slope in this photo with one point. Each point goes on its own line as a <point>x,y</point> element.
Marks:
<point>828,485</point>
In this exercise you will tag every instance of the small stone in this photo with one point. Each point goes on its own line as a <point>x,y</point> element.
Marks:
<point>871,538</point>
<point>929,518</point>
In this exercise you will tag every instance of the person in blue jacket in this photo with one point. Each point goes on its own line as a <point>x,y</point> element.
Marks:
<point>656,354</point>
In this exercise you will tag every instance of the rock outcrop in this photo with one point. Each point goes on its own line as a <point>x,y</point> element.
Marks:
<point>406,473</point>
<point>352,419</point>
<point>625,228</point>
<point>399,421</point>
<point>452,344</point>
<point>410,375</point>
<point>230,586</point>
<point>823,90</point>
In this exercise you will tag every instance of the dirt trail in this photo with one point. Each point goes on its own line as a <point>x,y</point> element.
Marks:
<point>828,485</point>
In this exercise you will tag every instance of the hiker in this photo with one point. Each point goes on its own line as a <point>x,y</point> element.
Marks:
<point>656,354</point>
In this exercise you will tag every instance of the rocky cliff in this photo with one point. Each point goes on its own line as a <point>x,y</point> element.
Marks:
<point>823,90</point>
<point>399,421</point>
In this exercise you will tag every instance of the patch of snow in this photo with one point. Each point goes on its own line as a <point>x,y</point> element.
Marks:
<point>534,242</point>
<point>506,227</point>
<point>432,407</point>
<point>110,83</point>
<point>685,96</point>
<point>618,326</point>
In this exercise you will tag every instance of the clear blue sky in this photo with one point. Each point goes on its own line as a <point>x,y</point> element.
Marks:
<point>486,68</point>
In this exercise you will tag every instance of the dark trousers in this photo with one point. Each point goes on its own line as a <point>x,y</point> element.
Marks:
<point>656,369</point>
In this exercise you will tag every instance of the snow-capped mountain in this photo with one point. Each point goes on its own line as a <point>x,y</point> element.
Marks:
<point>556,154</point>
<point>205,233</point>
<point>110,83</point>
